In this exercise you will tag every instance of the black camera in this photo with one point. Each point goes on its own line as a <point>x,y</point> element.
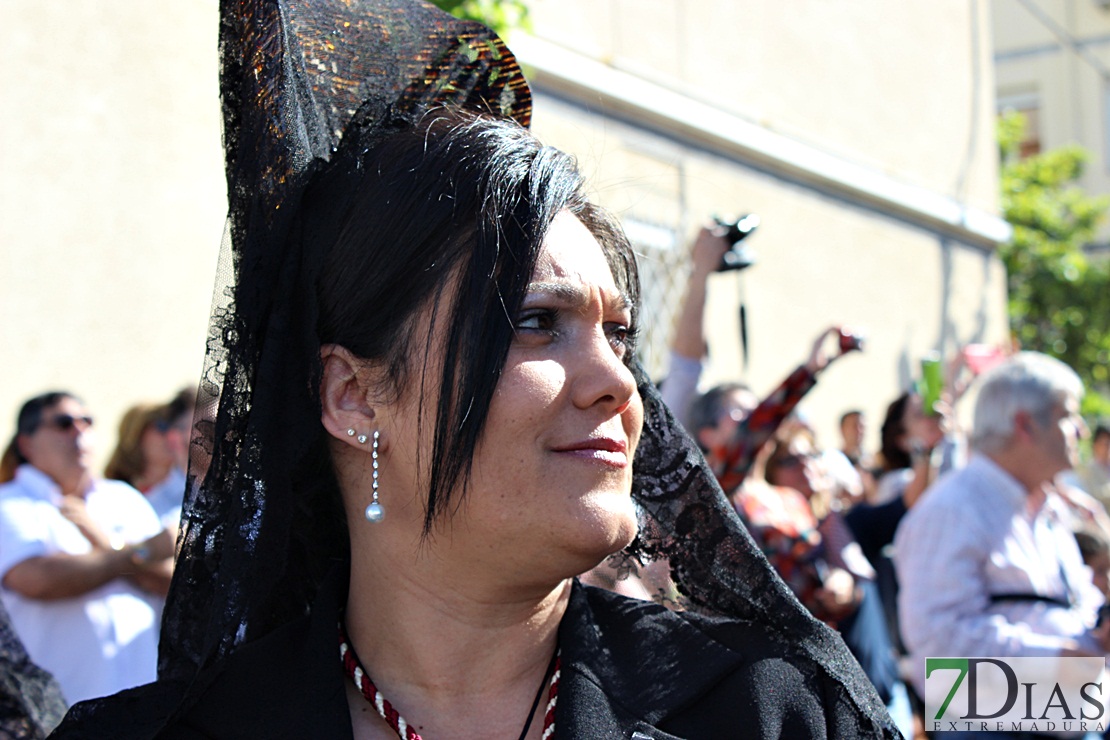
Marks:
<point>737,257</point>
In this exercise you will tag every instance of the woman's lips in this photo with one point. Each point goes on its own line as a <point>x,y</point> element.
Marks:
<point>604,450</point>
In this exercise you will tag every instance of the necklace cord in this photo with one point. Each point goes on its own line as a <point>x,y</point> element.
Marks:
<point>353,668</point>
<point>539,693</point>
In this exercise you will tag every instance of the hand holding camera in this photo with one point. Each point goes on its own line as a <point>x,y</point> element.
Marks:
<point>709,249</point>
<point>734,231</point>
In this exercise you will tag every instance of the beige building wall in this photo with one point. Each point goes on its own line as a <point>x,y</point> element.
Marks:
<point>111,200</point>
<point>860,132</point>
<point>878,83</point>
<point>1053,57</point>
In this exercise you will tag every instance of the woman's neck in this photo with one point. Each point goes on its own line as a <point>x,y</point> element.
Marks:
<point>454,658</point>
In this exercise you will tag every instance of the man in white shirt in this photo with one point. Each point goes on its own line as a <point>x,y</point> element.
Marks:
<point>83,561</point>
<point>985,563</point>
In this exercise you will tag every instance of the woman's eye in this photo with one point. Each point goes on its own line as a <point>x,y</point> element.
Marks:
<point>621,337</point>
<point>542,320</point>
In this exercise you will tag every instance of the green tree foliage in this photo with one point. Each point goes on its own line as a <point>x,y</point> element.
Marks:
<point>1059,298</point>
<point>500,15</point>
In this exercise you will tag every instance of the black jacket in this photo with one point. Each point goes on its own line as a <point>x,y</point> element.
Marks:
<point>630,669</point>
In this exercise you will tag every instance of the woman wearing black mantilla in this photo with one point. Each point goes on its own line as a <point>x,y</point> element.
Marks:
<point>422,415</point>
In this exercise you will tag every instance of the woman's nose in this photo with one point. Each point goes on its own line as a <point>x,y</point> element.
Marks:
<point>602,376</point>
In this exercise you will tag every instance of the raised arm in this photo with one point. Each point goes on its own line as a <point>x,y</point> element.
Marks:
<point>689,344</point>
<point>735,461</point>
<point>689,339</point>
<point>925,432</point>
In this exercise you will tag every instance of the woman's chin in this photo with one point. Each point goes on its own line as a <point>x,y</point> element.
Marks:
<point>607,534</point>
<point>626,534</point>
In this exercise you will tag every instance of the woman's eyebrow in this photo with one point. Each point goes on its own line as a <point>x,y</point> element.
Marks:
<point>569,292</point>
<point>576,295</point>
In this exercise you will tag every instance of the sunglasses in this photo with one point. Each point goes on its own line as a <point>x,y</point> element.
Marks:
<point>66,422</point>
<point>794,460</point>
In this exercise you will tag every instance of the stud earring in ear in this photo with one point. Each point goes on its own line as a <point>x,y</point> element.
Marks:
<point>374,512</point>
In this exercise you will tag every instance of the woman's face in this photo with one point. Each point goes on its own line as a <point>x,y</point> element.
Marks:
<point>156,450</point>
<point>735,407</point>
<point>800,468</point>
<point>552,473</point>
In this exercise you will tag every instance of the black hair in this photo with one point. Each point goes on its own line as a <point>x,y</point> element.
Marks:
<point>1101,430</point>
<point>895,457</point>
<point>183,402</point>
<point>30,414</point>
<point>27,422</point>
<point>851,412</point>
<point>459,200</point>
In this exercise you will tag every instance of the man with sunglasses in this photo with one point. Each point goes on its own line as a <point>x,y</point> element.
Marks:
<point>83,561</point>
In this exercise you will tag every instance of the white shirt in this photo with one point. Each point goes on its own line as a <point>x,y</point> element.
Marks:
<point>973,535</point>
<point>167,497</point>
<point>105,640</point>
<point>950,454</point>
<point>891,485</point>
<point>842,471</point>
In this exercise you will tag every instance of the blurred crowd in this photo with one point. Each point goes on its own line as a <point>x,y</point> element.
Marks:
<point>989,540</point>
<point>85,559</point>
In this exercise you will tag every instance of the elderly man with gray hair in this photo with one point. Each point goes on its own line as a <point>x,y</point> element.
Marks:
<point>986,567</point>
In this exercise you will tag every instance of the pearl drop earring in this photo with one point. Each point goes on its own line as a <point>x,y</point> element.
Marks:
<point>374,512</point>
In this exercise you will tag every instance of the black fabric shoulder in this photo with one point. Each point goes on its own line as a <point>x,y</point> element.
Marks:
<point>135,714</point>
<point>270,687</point>
<point>692,675</point>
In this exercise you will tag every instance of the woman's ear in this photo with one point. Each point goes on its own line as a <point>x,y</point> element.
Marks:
<point>346,408</point>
